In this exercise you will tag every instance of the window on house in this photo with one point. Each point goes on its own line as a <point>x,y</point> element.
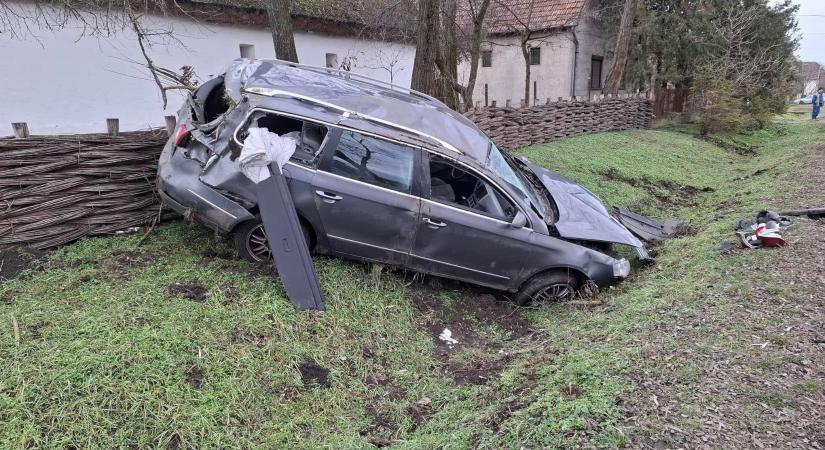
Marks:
<point>535,56</point>
<point>596,73</point>
<point>486,58</point>
<point>247,51</point>
<point>332,60</point>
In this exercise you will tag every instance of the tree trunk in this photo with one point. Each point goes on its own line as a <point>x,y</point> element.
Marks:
<point>425,71</point>
<point>525,51</point>
<point>449,55</point>
<point>475,52</point>
<point>616,74</point>
<point>280,24</point>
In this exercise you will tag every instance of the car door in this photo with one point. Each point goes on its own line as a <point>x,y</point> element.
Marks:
<point>465,231</point>
<point>364,196</point>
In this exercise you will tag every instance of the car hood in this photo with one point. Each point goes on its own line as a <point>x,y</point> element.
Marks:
<point>581,215</point>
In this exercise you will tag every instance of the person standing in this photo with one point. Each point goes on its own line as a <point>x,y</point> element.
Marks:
<point>817,102</point>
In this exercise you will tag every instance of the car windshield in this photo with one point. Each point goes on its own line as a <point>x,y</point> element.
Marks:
<point>501,165</point>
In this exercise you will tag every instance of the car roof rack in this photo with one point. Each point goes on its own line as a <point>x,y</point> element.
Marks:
<point>358,77</point>
<point>346,113</point>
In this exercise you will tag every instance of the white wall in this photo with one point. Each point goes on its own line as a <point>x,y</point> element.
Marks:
<point>505,78</point>
<point>59,82</point>
<point>591,43</point>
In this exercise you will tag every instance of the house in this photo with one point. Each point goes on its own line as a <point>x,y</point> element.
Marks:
<point>568,52</point>
<point>811,77</point>
<point>60,81</point>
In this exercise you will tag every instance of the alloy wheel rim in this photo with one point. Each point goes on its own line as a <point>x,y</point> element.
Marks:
<point>257,244</point>
<point>553,293</point>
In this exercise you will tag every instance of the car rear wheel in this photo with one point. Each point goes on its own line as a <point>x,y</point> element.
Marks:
<point>549,287</point>
<point>251,243</point>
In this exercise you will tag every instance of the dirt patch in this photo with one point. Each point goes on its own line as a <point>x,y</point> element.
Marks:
<point>380,429</point>
<point>419,413</point>
<point>124,260</point>
<point>466,318</point>
<point>312,373</point>
<point>174,442</point>
<point>391,390</point>
<point>191,290</point>
<point>665,191</point>
<point>195,377</point>
<point>731,146</point>
<point>14,261</point>
<point>521,399</point>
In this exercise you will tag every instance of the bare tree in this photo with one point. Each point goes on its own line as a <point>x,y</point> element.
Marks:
<point>478,14</point>
<point>527,35</point>
<point>435,68</point>
<point>616,75</point>
<point>280,24</point>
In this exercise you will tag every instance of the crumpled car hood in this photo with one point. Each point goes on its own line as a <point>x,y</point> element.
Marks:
<point>581,214</point>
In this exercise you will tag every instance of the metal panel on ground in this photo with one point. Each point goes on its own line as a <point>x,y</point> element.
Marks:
<point>286,240</point>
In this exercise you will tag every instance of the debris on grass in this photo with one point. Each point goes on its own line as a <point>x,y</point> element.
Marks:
<point>447,337</point>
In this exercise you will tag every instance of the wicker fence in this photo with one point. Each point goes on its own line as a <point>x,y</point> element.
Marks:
<point>513,128</point>
<point>56,189</point>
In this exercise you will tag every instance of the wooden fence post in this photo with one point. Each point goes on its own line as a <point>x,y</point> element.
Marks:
<point>21,130</point>
<point>171,121</point>
<point>112,126</point>
<point>507,103</point>
<point>493,103</point>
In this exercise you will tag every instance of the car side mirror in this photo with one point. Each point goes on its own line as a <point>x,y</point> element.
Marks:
<point>519,221</point>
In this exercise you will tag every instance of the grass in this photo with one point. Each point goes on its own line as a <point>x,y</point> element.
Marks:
<point>97,353</point>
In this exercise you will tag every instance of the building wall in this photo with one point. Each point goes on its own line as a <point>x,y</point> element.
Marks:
<point>505,78</point>
<point>591,43</point>
<point>60,82</point>
<point>553,77</point>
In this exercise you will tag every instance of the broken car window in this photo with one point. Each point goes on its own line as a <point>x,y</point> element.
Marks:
<point>500,165</point>
<point>374,161</point>
<point>310,136</point>
<point>449,183</point>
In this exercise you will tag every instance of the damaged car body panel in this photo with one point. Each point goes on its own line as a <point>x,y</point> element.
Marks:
<point>389,175</point>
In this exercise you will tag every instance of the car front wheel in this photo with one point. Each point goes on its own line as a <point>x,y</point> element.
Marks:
<point>548,287</point>
<point>251,244</point>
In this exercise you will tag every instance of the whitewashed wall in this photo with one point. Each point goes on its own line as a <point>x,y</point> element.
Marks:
<point>61,83</point>
<point>505,77</point>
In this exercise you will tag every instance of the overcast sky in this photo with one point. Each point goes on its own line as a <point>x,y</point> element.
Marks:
<point>811,20</point>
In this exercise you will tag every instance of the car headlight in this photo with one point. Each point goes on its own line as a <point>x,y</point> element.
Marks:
<point>621,268</point>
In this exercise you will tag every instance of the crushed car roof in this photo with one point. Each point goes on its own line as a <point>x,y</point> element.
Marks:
<point>371,100</point>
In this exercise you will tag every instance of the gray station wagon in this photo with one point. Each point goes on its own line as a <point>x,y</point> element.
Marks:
<point>388,175</point>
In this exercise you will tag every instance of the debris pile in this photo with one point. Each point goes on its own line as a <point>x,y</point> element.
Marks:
<point>765,232</point>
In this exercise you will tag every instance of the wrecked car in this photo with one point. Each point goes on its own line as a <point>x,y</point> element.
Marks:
<point>388,175</point>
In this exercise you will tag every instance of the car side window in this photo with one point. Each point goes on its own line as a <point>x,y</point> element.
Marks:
<point>374,161</point>
<point>308,136</point>
<point>452,184</point>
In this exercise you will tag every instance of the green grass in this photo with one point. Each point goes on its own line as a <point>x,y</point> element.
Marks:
<point>96,353</point>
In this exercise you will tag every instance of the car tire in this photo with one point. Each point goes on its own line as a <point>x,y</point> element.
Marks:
<point>250,241</point>
<point>548,287</point>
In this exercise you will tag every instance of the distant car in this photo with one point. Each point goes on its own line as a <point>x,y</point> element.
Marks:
<point>388,175</point>
<point>805,100</point>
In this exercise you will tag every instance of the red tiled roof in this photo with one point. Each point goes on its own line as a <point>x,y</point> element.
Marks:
<point>512,16</point>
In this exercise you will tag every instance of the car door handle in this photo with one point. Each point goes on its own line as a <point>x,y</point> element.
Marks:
<point>434,224</point>
<point>329,198</point>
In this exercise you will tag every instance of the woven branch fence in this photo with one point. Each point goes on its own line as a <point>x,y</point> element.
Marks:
<point>57,189</point>
<point>513,128</point>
